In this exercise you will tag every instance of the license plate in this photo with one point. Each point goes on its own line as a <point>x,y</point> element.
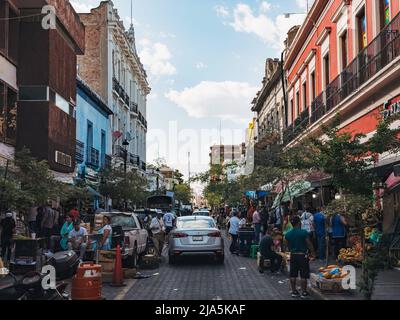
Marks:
<point>197,238</point>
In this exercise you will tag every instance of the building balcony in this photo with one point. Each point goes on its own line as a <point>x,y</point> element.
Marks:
<point>268,135</point>
<point>93,158</point>
<point>121,91</point>
<point>79,151</point>
<point>134,107</point>
<point>107,162</point>
<point>382,51</point>
<point>143,165</point>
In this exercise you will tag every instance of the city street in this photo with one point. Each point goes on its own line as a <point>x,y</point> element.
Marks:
<point>202,279</point>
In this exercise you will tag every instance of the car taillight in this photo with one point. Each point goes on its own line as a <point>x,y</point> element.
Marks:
<point>215,234</point>
<point>180,235</point>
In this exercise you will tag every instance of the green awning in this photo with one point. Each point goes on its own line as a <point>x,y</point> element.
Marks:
<point>295,190</point>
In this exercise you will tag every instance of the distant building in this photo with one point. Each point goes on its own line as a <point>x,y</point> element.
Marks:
<point>170,177</point>
<point>155,179</point>
<point>38,82</point>
<point>93,151</point>
<point>112,68</point>
<point>226,154</point>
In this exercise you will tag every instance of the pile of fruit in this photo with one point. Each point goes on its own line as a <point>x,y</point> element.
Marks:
<point>332,272</point>
<point>351,254</point>
<point>368,232</point>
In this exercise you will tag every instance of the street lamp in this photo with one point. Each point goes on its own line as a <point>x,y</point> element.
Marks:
<point>158,179</point>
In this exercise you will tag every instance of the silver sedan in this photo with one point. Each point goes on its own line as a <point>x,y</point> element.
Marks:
<point>196,235</point>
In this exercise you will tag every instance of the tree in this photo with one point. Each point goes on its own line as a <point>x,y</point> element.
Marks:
<point>129,188</point>
<point>183,193</point>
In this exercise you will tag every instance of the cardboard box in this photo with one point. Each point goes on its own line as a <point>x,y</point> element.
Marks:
<point>327,285</point>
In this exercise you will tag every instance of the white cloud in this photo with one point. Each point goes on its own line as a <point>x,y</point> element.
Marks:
<point>272,31</point>
<point>200,65</point>
<point>221,11</point>
<point>156,58</point>
<point>302,4</point>
<point>227,100</point>
<point>265,6</point>
<point>84,7</point>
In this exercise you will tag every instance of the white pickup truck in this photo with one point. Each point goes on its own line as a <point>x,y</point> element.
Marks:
<point>135,235</point>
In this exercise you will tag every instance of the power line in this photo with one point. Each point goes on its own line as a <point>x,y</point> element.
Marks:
<point>22,17</point>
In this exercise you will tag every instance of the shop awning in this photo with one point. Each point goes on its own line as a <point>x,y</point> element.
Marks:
<point>295,190</point>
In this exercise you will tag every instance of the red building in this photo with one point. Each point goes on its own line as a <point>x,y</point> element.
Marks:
<point>346,59</point>
<point>38,79</point>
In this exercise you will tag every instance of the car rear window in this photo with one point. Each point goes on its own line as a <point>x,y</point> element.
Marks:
<point>192,224</point>
<point>124,222</point>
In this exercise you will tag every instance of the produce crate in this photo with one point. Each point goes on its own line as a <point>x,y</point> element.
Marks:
<point>327,285</point>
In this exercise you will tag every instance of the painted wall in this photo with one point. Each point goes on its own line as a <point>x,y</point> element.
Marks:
<point>87,110</point>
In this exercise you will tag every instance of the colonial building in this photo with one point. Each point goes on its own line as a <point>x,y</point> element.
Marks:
<point>112,68</point>
<point>93,151</point>
<point>345,60</point>
<point>38,80</point>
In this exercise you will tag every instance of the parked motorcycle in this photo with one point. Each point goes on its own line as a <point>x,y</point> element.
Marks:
<point>29,287</point>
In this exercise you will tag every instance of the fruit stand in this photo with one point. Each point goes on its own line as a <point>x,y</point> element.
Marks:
<point>329,279</point>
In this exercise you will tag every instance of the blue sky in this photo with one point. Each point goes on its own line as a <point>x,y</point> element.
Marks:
<point>205,60</point>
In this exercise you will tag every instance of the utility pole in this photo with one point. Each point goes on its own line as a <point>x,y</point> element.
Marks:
<point>189,168</point>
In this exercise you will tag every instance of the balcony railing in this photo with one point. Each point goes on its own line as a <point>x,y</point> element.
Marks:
<point>93,157</point>
<point>79,151</point>
<point>143,165</point>
<point>107,161</point>
<point>121,91</point>
<point>384,49</point>
<point>134,107</point>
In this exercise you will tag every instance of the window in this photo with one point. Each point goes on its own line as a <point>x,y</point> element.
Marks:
<point>33,93</point>
<point>361,30</point>
<point>297,103</point>
<point>13,27</point>
<point>103,147</point>
<point>89,136</point>
<point>343,50</point>
<point>384,13</point>
<point>113,63</point>
<point>292,109</point>
<point>312,83</point>
<point>326,71</point>
<point>304,95</point>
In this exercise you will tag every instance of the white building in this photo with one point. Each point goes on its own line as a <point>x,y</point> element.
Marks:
<point>112,67</point>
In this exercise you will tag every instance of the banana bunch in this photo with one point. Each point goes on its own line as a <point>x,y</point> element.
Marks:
<point>349,254</point>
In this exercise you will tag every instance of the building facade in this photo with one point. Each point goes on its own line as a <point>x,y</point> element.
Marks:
<point>93,151</point>
<point>345,60</point>
<point>155,179</point>
<point>226,154</point>
<point>112,68</point>
<point>38,81</point>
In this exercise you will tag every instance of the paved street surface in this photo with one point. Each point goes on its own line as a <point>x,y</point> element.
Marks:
<point>201,279</point>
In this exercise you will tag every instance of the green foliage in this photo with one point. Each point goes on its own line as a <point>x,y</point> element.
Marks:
<point>183,193</point>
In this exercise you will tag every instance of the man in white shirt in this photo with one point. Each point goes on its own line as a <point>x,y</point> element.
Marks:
<point>234,224</point>
<point>158,233</point>
<point>78,239</point>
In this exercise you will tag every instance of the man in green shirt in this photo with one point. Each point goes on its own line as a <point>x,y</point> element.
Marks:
<point>299,245</point>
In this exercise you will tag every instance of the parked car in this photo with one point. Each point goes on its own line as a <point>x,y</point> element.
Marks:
<point>135,235</point>
<point>196,235</point>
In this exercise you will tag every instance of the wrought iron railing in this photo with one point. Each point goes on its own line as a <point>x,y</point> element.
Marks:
<point>93,157</point>
<point>79,151</point>
<point>121,91</point>
<point>107,161</point>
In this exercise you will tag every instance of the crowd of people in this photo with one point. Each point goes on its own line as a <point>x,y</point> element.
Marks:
<point>306,234</point>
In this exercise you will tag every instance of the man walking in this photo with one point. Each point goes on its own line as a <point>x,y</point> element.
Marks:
<point>168,220</point>
<point>48,222</point>
<point>338,224</point>
<point>257,224</point>
<point>267,252</point>
<point>158,231</point>
<point>299,245</point>
<point>320,232</point>
<point>233,229</point>
<point>32,214</point>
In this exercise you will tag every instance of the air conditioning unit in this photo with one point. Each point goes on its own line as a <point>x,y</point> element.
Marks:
<point>63,159</point>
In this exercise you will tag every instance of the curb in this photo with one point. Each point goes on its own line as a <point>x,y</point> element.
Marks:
<point>317,295</point>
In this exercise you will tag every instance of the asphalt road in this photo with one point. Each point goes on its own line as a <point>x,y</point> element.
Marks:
<point>199,278</point>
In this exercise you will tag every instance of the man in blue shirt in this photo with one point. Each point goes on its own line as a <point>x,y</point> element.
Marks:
<point>233,230</point>
<point>320,231</point>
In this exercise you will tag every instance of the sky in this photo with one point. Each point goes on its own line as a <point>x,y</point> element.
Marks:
<point>205,62</point>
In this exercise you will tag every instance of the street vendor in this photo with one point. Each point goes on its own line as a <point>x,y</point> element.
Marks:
<point>267,252</point>
<point>106,230</point>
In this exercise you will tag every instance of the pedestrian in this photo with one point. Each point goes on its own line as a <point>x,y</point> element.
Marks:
<point>78,239</point>
<point>277,216</point>
<point>168,220</point>
<point>64,233</point>
<point>243,220</point>
<point>307,222</point>
<point>267,252</point>
<point>264,219</point>
<point>74,213</point>
<point>32,214</point>
<point>257,224</point>
<point>300,246</point>
<point>39,218</point>
<point>8,229</point>
<point>233,229</point>
<point>158,232</point>
<point>320,233</point>
<point>106,230</point>
<point>48,224</point>
<point>338,223</point>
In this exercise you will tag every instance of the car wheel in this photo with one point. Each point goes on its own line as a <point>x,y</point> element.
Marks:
<point>171,260</point>
<point>221,259</point>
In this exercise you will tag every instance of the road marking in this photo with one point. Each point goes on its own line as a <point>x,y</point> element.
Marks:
<point>123,293</point>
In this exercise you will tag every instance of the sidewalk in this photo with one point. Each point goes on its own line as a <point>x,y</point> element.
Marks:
<point>387,286</point>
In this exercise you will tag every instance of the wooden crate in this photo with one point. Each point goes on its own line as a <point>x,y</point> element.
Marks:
<point>107,260</point>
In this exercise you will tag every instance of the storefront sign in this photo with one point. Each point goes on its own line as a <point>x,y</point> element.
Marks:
<point>390,109</point>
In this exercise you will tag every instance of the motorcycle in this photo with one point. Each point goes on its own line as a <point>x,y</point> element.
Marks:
<point>29,287</point>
